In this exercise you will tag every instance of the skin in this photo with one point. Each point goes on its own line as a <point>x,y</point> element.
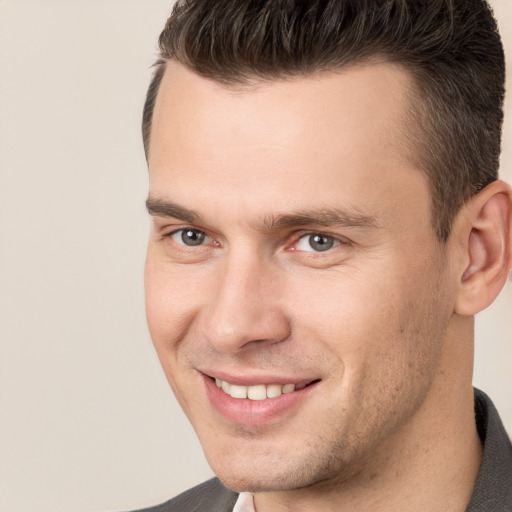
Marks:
<point>389,424</point>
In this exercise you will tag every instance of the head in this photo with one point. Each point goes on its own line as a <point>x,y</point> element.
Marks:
<point>325,219</point>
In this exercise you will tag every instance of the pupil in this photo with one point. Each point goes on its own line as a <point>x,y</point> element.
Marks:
<point>191,237</point>
<point>320,242</point>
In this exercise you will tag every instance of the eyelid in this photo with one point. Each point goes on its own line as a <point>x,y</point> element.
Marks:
<point>207,238</point>
<point>338,241</point>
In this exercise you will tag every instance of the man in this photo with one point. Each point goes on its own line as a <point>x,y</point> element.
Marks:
<point>326,222</point>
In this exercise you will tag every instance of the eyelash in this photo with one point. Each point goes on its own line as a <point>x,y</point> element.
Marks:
<point>184,230</point>
<point>331,241</point>
<point>322,238</point>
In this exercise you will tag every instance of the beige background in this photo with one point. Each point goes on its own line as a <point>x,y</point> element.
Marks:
<point>87,422</point>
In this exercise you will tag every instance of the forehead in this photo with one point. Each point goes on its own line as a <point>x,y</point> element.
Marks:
<point>346,100</point>
<point>329,135</point>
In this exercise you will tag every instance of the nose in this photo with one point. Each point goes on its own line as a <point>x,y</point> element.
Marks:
<point>246,308</point>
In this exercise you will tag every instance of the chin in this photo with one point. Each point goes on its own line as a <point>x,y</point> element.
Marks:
<point>245,478</point>
<point>274,476</point>
<point>255,484</point>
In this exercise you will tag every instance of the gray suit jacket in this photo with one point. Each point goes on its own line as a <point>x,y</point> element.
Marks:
<point>210,496</point>
<point>493,489</point>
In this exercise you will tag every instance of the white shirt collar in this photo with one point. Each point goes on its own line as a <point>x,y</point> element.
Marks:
<point>244,503</point>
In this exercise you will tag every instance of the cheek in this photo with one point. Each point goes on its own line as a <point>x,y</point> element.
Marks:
<point>171,302</point>
<point>379,325</point>
<point>161,310</point>
<point>349,312</point>
<point>168,311</point>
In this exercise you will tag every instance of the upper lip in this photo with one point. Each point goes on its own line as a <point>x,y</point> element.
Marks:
<point>254,380</point>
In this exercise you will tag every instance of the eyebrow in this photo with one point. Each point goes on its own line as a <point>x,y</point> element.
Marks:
<point>335,217</point>
<point>339,217</point>
<point>162,208</point>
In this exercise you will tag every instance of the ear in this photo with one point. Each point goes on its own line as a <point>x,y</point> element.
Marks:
<point>484,231</point>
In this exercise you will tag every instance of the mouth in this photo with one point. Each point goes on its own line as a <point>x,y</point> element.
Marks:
<point>257,401</point>
<point>260,391</point>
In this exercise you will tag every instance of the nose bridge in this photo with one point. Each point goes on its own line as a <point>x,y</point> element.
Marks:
<point>245,306</point>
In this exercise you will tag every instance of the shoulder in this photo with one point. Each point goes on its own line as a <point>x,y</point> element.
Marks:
<point>210,495</point>
<point>493,489</point>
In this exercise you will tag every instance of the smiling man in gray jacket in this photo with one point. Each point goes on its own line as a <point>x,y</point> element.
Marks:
<point>327,219</point>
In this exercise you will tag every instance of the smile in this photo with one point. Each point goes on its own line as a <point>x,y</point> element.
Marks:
<point>258,391</point>
<point>251,401</point>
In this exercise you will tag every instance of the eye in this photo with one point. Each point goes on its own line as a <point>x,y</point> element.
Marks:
<point>190,237</point>
<point>316,242</point>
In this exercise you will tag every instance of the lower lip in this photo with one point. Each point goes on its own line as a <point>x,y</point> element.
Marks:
<point>254,412</point>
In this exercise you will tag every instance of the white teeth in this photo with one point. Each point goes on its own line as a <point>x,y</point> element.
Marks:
<point>259,391</point>
<point>288,388</point>
<point>274,390</point>
<point>238,391</point>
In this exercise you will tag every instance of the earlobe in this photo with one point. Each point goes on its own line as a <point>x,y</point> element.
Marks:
<point>486,232</point>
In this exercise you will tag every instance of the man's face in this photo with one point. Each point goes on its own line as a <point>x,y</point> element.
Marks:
<point>291,244</point>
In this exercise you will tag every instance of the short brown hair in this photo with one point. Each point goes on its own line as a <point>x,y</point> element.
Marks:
<point>451,48</point>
